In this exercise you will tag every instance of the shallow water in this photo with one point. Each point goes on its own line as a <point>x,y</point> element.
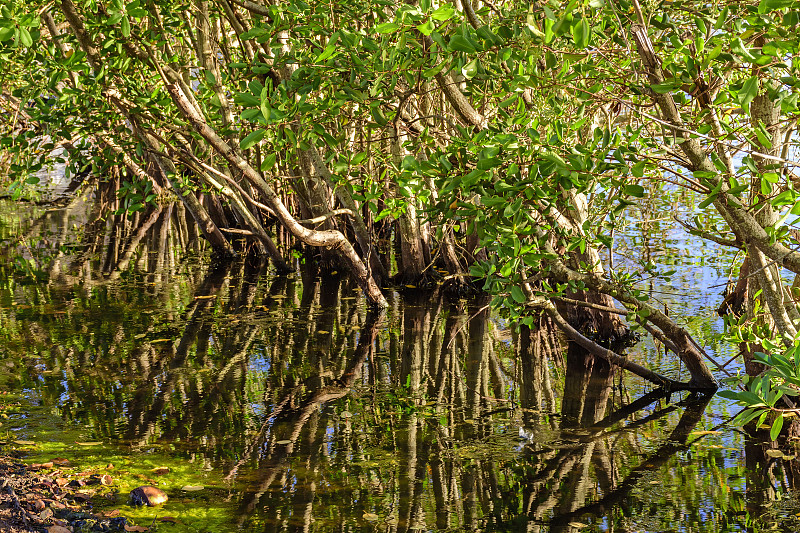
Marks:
<point>288,406</point>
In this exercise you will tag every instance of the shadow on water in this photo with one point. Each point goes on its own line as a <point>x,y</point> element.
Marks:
<point>306,411</point>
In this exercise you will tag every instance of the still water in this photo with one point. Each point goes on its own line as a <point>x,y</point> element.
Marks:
<point>265,403</point>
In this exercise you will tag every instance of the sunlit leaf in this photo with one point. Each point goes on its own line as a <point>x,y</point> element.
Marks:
<point>770,5</point>
<point>776,428</point>
<point>748,91</point>
<point>443,13</point>
<point>426,28</point>
<point>470,69</point>
<point>25,38</point>
<point>387,27</point>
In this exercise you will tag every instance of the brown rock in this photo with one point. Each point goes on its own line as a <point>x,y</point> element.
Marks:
<point>58,529</point>
<point>148,495</point>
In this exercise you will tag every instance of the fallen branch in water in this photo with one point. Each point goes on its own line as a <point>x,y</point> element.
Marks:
<point>604,353</point>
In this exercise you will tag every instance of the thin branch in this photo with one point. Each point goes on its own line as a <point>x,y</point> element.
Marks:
<point>605,308</point>
<point>326,216</point>
<point>254,7</point>
<point>733,243</point>
<point>684,129</point>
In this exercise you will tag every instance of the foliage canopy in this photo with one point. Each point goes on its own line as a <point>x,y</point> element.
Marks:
<point>502,141</point>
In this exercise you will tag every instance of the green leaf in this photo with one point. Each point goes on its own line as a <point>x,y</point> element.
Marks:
<point>747,415</point>
<point>387,27</point>
<point>263,105</point>
<point>771,5</point>
<point>518,295</point>
<point>247,99</point>
<point>445,12</point>
<point>763,136</point>
<point>470,69</point>
<point>581,33</point>
<point>739,48</point>
<point>268,162</point>
<point>378,116</point>
<point>708,201</point>
<point>426,28</point>
<point>508,101</point>
<point>253,33</point>
<point>663,88</point>
<point>458,43</point>
<point>634,190</point>
<point>784,198</point>
<point>729,394</point>
<point>489,162</point>
<point>251,114</point>
<point>748,91</point>
<point>722,18</point>
<point>25,38</point>
<point>328,52</point>
<point>433,71</point>
<point>125,26</point>
<point>776,428</point>
<point>291,139</point>
<point>252,138</point>
<point>766,188</point>
<point>6,33</point>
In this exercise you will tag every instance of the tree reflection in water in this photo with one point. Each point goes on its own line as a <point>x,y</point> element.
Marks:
<point>322,415</point>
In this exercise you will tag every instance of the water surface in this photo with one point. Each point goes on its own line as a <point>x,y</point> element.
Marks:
<point>290,406</point>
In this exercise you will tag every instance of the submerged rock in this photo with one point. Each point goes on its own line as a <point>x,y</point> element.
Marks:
<point>148,495</point>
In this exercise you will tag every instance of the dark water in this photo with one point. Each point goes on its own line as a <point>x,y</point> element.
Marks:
<point>282,404</point>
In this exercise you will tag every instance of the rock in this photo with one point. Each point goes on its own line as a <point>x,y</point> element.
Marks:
<point>148,495</point>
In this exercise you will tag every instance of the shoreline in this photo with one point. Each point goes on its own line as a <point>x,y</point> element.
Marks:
<point>47,498</point>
